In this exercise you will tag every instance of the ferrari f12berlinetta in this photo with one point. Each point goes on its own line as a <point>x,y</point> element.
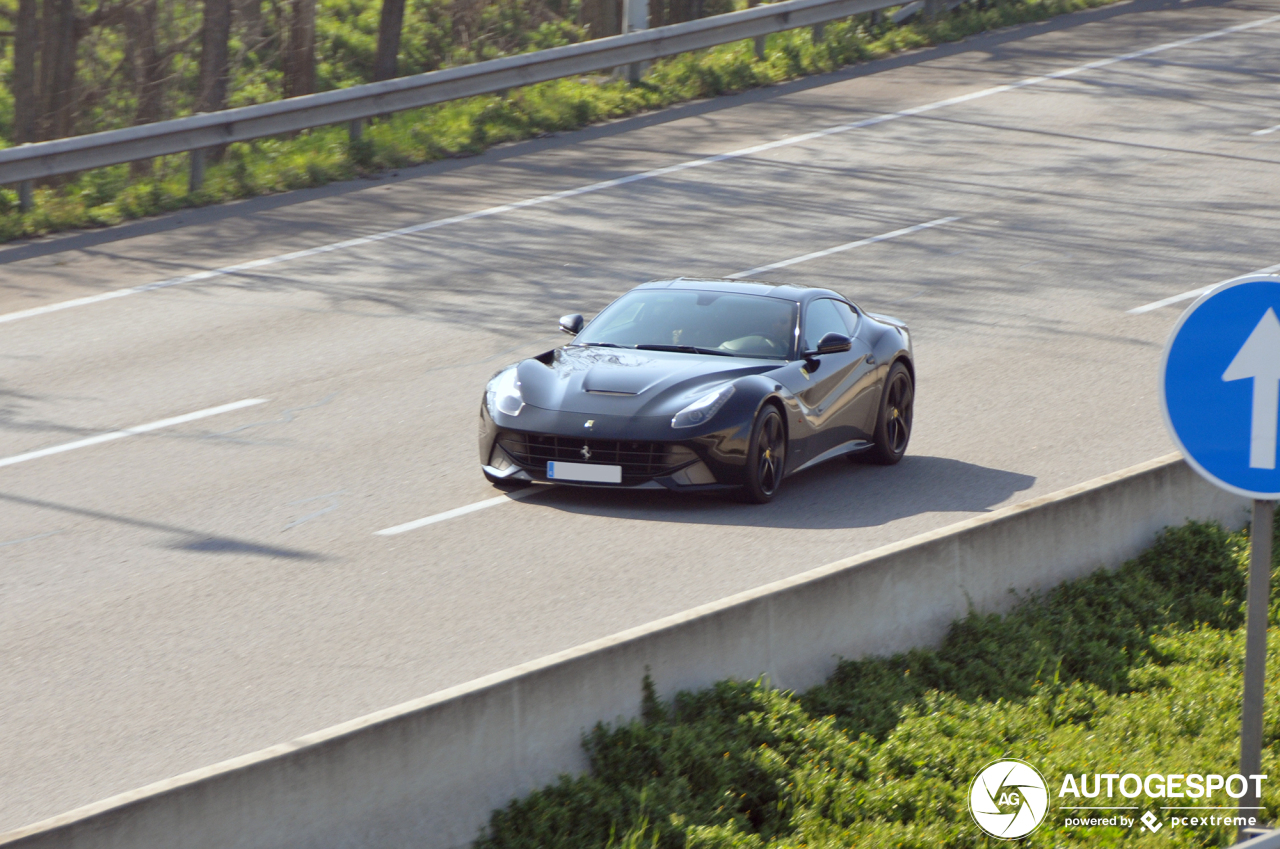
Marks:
<point>694,384</point>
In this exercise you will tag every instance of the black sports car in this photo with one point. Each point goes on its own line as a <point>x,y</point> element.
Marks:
<point>703,384</point>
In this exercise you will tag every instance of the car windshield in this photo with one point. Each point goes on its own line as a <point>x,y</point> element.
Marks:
<point>724,323</point>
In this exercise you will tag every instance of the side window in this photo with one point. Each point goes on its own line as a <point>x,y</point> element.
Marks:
<point>821,319</point>
<point>849,314</point>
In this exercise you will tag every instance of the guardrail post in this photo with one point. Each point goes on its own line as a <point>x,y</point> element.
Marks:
<point>635,17</point>
<point>355,130</point>
<point>196,178</point>
<point>759,39</point>
<point>26,196</point>
<point>817,32</point>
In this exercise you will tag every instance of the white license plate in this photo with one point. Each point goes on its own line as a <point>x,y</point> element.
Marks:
<point>586,472</point>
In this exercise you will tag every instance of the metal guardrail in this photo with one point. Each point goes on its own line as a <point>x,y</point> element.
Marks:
<point>195,133</point>
<point>1264,838</point>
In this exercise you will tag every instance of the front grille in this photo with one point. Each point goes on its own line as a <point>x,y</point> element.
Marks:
<point>639,460</point>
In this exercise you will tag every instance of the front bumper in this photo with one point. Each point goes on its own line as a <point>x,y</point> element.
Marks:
<point>518,448</point>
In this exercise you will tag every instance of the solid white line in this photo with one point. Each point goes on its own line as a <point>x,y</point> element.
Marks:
<point>915,228</point>
<point>1195,293</point>
<point>631,178</point>
<point>1267,131</point>
<point>30,538</point>
<point>461,511</point>
<point>133,431</point>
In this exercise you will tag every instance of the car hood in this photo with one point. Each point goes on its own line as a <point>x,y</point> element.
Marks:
<point>625,382</point>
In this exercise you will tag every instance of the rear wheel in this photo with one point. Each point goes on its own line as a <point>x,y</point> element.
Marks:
<point>893,424</point>
<point>766,457</point>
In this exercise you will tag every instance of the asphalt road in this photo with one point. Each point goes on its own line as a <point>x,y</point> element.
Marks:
<point>210,586</point>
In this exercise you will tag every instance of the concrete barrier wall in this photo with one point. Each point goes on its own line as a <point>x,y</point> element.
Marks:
<point>427,773</point>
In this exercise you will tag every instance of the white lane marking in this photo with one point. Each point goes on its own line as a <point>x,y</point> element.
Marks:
<point>462,511</point>
<point>328,508</point>
<point>847,246</point>
<point>631,178</point>
<point>1267,131</point>
<point>133,431</point>
<point>30,538</point>
<point>1195,293</point>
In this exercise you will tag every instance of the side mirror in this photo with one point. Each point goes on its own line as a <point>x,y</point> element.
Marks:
<point>572,324</point>
<point>832,343</point>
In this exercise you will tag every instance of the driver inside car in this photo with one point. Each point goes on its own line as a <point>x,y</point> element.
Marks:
<point>771,339</point>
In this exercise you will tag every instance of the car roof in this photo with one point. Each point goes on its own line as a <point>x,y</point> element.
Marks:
<point>786,291</point>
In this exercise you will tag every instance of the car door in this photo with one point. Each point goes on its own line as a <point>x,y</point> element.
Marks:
<point>867,377</point>
<point>832,385</point>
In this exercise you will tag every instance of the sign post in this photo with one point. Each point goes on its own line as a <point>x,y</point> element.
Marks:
<point>1220,389</point>
<point>1255,657</point>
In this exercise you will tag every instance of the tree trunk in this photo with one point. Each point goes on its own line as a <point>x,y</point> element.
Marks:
<point>147,67</point>
<point>57,69</point>
<point>390,23</point>
<point>26,95</point>
<point>214,37</point>
<point>601,17</point>
<point>679,11</point>
<point>300,49</point>
<point>249,22</point>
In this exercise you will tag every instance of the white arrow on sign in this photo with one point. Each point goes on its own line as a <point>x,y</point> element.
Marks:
<point>1259,358</point>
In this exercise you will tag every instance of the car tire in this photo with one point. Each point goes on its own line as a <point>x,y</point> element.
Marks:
<point>766,457</point>
<point>893,423</point>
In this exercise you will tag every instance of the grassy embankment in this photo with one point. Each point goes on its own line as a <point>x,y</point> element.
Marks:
<point>1136,670</point>
<point>459,128</point>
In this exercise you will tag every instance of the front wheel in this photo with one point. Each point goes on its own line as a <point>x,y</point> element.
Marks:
<point>766,457</point>
<point>893,424</point>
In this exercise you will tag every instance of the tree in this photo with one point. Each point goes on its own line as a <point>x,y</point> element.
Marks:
<point>146,69</point>
<point>147,63</point>
<point>300,49</point>
<point>215,34</point>
<point>248,15</point>
<point>601,17</point>
<point>26,96</point>
<point>390,23</point>
<point>57,69</point>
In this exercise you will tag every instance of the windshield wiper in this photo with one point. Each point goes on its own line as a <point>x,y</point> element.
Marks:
<point>683,349</point>
<point>600,345</point>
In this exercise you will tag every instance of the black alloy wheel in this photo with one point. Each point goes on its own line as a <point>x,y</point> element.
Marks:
<point>766,457</point>
<point>893,425</point>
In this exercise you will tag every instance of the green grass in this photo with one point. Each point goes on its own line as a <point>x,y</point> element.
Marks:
<point>1135,670</point>
<point>460,128</point>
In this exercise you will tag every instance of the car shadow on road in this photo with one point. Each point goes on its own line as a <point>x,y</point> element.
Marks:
<point>834,495</point>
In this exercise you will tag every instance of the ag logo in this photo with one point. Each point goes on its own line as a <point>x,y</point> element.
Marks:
<point>1008,799</point>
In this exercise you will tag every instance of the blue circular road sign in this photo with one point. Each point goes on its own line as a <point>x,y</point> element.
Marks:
<point>1220,386</point>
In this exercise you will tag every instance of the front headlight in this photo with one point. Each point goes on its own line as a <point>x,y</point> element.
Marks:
<point>502,395</point>
<point>703,409</point>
